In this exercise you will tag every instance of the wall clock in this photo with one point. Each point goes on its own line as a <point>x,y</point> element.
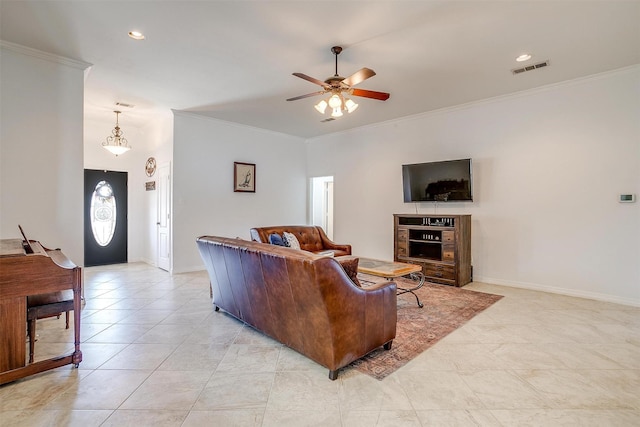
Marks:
<point>150,167</point>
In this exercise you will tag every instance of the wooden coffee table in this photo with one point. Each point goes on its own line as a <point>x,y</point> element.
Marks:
<point>391,270</point>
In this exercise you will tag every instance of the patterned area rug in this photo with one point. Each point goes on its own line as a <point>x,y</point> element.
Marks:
<point>446,308</point>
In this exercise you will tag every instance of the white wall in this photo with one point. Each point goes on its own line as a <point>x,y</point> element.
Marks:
<point>41,166</point>
<point>204,202</point>
<point>548,166</point>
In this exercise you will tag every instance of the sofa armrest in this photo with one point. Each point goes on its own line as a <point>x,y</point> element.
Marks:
<point>361,319</point>
<point>373,316</point>
<point>328,244</point>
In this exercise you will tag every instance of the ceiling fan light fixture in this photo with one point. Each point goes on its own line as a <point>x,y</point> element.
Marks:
<point>337,88</point>
<point>350,105</point>
<point>321,106</point>
<point>335,101</point>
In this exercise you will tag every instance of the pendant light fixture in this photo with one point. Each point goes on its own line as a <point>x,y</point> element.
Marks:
<point>116,143</point>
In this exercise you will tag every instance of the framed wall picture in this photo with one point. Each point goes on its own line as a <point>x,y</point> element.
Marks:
<point>244,177</point>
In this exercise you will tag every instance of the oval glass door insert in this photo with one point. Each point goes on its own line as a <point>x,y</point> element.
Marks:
<point>103,213</point>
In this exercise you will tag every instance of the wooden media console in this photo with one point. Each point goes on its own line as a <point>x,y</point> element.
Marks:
<point>441,244</point>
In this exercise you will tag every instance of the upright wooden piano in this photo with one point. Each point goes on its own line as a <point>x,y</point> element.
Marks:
<point>28,268</point>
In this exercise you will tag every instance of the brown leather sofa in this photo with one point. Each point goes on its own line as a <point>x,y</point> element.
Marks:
<point>311,238</point>
<point>305,301</point>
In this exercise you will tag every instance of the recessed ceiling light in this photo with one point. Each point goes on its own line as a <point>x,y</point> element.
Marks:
<point>523,57</point>
<point>136,35</point>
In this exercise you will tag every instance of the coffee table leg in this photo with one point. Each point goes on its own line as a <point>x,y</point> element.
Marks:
<point>420,278</point>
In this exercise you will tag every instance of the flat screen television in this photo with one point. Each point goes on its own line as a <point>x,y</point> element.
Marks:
<point>445,181</point>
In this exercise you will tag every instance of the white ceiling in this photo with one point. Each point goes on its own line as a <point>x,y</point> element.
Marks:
<point>233,60</point>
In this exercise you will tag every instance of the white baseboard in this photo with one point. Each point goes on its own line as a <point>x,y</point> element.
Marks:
<point>561,291</point>
<point>190,269</point>
<point>141,259</point>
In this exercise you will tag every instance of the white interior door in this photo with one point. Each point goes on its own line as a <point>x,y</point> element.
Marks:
<point>164,217</point>
<point>328,222</point>
<point>322,203</point>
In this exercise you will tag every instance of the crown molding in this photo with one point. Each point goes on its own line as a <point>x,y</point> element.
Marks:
<point>74,63</point>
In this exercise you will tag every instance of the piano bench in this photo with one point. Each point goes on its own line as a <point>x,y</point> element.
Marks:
<point>42,306</point>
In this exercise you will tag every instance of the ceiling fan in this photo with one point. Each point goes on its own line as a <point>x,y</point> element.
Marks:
<point>339,87</point>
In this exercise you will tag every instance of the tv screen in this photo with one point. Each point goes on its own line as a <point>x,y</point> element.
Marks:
<point>446,181</point>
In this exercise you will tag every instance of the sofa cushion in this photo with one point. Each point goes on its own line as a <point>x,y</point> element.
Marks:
<point>291,240</point>
<point>327,253</point>
<point>276,239</point>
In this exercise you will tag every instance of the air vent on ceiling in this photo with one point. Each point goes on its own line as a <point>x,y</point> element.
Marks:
<point>330,119</point>
<point>531,67</point>
<point>122,104</point>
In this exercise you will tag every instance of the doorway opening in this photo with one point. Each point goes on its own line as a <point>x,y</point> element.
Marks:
<point>322,203</point>
<point>105,217</point>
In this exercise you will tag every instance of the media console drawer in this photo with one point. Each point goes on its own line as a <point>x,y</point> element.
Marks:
<point>402,242</point>
<point>440,271</point>
<point>448,253</point>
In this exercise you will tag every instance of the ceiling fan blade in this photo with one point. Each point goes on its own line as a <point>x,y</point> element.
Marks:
<point>382,96</point>
<point>320,92</point>
<point>311,79</point>
<point>359,76</point>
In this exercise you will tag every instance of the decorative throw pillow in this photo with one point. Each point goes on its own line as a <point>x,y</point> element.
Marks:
<point>276,239</point>
<point>291,240</point>
<point>350,266</point>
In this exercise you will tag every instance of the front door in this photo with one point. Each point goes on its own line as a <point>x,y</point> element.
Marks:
<point>105,217</point>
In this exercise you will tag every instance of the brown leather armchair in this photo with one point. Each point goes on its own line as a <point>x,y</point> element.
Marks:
<point>312,238</point>
<point>303,300</point>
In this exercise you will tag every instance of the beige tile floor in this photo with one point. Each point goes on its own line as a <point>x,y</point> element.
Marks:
<point>156,354</point>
